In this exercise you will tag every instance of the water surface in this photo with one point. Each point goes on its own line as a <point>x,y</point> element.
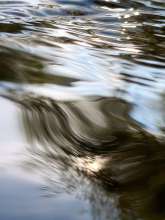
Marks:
<point>82,93</point>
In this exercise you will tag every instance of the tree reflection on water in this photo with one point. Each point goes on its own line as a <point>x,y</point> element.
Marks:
<point>95,149</point>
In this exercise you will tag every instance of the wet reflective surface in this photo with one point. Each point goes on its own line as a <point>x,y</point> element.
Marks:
<point>82,117</point>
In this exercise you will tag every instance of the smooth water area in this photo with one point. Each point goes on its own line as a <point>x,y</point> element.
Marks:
<point>82,109</point>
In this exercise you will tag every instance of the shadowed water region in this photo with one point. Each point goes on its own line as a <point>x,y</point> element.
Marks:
<point>82,117</point>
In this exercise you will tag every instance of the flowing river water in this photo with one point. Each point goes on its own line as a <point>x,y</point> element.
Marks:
<point>82,109</point>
